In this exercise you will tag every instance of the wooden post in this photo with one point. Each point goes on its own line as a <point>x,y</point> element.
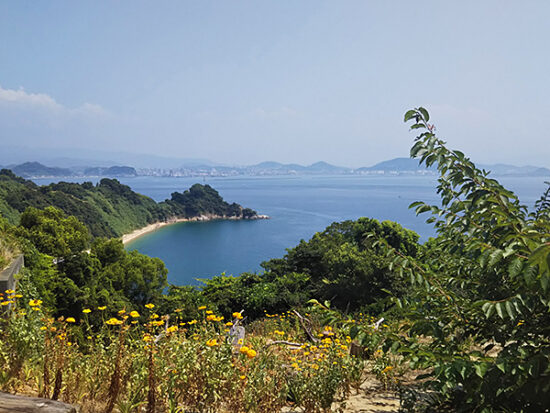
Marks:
<point>10,403</point>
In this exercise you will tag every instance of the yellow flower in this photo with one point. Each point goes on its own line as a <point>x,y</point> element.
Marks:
<point>202,307</point>
<point>242,377</point>
<point>178,310</point>
<point>251,354</point>
<point>192,322</point>
<point>122,312</point>
<point>172,329</point>
<point>150,306</point>
<point>9,291</point>
<point>69,343</point>
<point>43,328</point>
<point>208,311</point>
<point>134,314</point>
<point>35,303</point>
<point>387,369</point>
<point>70,320</point>
<point>315,366</point>
<point>244,350</point>
<point>212,342</point>
<point>18,296</point>
<point>229,324</point>
<point>4,303</point>
<point>147,338</point>
<point>113,322</point>
<point>102,308</point>
<point>86,311</point>
<point>153,316</point>
<point>89,337</point>
<point>211,317</point>
<point>238,316</point>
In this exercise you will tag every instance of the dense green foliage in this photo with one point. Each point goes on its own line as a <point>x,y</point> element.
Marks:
<point>68,278</point>
<point>110,209</point>
<point>203,200</point>
<point>478,314</point>
<point>337,264</point>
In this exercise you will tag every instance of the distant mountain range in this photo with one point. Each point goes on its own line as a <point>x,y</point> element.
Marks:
<point>397,166</point>
<point>37,170</point>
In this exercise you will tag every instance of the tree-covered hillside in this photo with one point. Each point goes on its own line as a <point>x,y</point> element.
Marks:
<point>110,209</point>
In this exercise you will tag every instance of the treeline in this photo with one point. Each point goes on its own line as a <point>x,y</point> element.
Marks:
<point>71,271</point>
<point>110,209</point>
<point>339,264</point>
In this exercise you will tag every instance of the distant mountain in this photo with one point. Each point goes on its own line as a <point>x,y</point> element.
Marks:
<point>512,170</point>
<point>268,165</point>
<point>113,171</point>
<point>323,167</point>
<point>280,168</point>
<point>34,169</point>
<point>409,165</point>
<point>397,164</point>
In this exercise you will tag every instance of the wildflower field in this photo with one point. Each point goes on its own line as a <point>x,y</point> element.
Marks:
<point>137,360</point>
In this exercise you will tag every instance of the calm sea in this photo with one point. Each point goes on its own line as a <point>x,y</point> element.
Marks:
<point>298,206</point>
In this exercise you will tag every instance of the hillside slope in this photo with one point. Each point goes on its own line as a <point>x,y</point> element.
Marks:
<point>110,208</point>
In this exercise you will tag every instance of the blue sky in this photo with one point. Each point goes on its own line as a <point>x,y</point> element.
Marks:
<point>245,81</point>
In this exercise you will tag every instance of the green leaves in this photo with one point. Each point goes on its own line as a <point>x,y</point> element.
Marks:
<point>483,280</point>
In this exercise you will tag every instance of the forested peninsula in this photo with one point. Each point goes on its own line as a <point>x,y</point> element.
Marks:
<point>111,209</point>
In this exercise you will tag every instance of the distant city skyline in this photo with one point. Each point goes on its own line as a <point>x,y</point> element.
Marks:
<point>295,82</point>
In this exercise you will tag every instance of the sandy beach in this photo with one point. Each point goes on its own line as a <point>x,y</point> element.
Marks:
<point>126,238</point>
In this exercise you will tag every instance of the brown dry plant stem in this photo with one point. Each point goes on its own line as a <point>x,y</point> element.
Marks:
<point>114,387</point>
<point>151,394</point>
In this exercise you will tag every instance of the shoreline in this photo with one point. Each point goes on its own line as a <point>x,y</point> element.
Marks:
<point>127,238</point>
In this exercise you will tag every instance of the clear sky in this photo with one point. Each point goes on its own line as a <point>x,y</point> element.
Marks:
<point>240,82</point>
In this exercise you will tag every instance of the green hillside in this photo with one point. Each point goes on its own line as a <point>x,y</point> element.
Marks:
<point>110,209</point>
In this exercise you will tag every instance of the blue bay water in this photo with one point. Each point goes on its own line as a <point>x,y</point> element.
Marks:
<point>298,206</point>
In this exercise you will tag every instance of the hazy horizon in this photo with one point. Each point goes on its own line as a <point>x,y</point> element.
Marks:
<point>242,83</point>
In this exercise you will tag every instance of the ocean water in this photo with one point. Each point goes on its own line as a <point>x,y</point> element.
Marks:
<point>298,206</point>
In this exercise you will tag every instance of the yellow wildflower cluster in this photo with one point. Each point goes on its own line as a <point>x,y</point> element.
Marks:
<point>248,352</point>
<point>212,342</point>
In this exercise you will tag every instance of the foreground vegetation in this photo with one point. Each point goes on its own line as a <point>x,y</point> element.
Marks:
<point>469,309</point>
<point>135,357</point>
